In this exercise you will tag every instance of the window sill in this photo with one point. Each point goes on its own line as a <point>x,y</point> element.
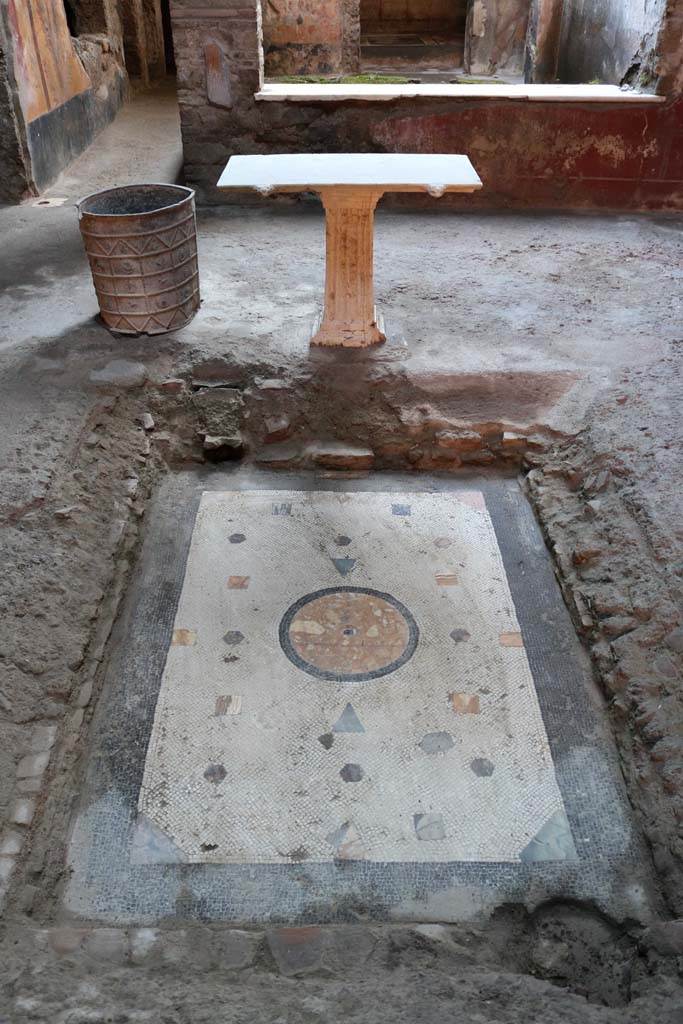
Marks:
<point>274,92</point>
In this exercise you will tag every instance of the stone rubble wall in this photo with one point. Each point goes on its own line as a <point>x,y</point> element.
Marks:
<point>14,178</point>
<point>626,607</point>
<point>563,965</point>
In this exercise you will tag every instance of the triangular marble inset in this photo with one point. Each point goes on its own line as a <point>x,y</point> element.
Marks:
<point>346,843</point>
<point>344,565</point>
<point>348,721</point>
<point>151,845</point>
<point>552,842</point>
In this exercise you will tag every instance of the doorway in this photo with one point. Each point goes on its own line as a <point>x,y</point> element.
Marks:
<point>412,35</point>
<point>168,37</point>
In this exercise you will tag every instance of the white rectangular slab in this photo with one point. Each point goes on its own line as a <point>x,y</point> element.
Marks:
<point>279,92</point>
<point>391,172</point>
<point>249,751</point>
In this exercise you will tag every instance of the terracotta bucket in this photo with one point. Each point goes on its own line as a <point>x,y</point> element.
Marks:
<point>141,242</point>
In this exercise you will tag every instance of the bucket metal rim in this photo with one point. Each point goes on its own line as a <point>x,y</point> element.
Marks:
<point>189,194</point>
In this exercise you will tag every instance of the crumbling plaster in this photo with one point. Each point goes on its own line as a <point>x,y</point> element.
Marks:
<point>15,179</point>
<point>495,36</point>
<point>304,37</point>
<point>607,40</point>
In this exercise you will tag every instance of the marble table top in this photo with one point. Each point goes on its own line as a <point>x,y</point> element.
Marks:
<point>434,173</point>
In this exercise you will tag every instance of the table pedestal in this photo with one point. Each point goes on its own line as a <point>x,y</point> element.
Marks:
<point>349,319</point>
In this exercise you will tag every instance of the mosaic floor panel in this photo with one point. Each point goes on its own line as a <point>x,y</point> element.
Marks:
<point>346,679</point>
<point>328,699</point>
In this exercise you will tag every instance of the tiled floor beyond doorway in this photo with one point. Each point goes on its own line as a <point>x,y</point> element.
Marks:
<point>333,697</point>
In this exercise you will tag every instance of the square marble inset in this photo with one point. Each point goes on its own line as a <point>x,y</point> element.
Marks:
<point>381,715</point>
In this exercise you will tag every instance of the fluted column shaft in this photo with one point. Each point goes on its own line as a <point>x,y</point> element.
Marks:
<point>349,319</point>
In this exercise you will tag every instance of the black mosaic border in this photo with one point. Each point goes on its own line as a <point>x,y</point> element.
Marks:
<point>348,677</point>
<point>105,886</point>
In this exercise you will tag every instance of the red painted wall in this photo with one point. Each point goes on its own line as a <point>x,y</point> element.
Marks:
<point>556,154</point>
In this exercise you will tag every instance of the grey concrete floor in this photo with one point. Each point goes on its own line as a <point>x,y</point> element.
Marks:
<point>142,144</point>
<point>579,299</point>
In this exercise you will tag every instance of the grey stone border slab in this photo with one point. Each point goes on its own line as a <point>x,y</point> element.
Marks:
<point>604,859</point>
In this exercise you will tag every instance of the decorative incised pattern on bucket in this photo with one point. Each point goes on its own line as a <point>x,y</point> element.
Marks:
<point>144,268</point>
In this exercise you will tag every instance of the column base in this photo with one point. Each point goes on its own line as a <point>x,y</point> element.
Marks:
<point>348,333</point>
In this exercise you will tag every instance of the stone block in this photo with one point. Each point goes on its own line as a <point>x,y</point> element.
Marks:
<point>145,945</point>
<point>217,373</point>
<point>223,448</point>
<point>296,950</point>
<point>458,441</point>
<point>33,765</point>
<point>192,947</point>
<point>665,937</point>
<point>586,553</point>
<point>22,811</point>
<point>219,410</point>
<point>6,869</point>
<point>11,843</point>
<point>172,386</point>
<point>276,429</point>
<point>43,737</point>
<point>32,785</point>
<point>280,456</point>
<point>618,625</point>
<point>608,601</point>
<point>235,949</point>
<point>440,942</point>
<point>341,456</point>
<point>512,442</point>
<point>27,898</point>
<point>120,373</point>
<point>348,947</point>
<point>66,940</point>
<point>675,640</point>
<point>107,945</point>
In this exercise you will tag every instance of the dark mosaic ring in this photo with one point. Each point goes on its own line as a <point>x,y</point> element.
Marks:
<point>347,677</point>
